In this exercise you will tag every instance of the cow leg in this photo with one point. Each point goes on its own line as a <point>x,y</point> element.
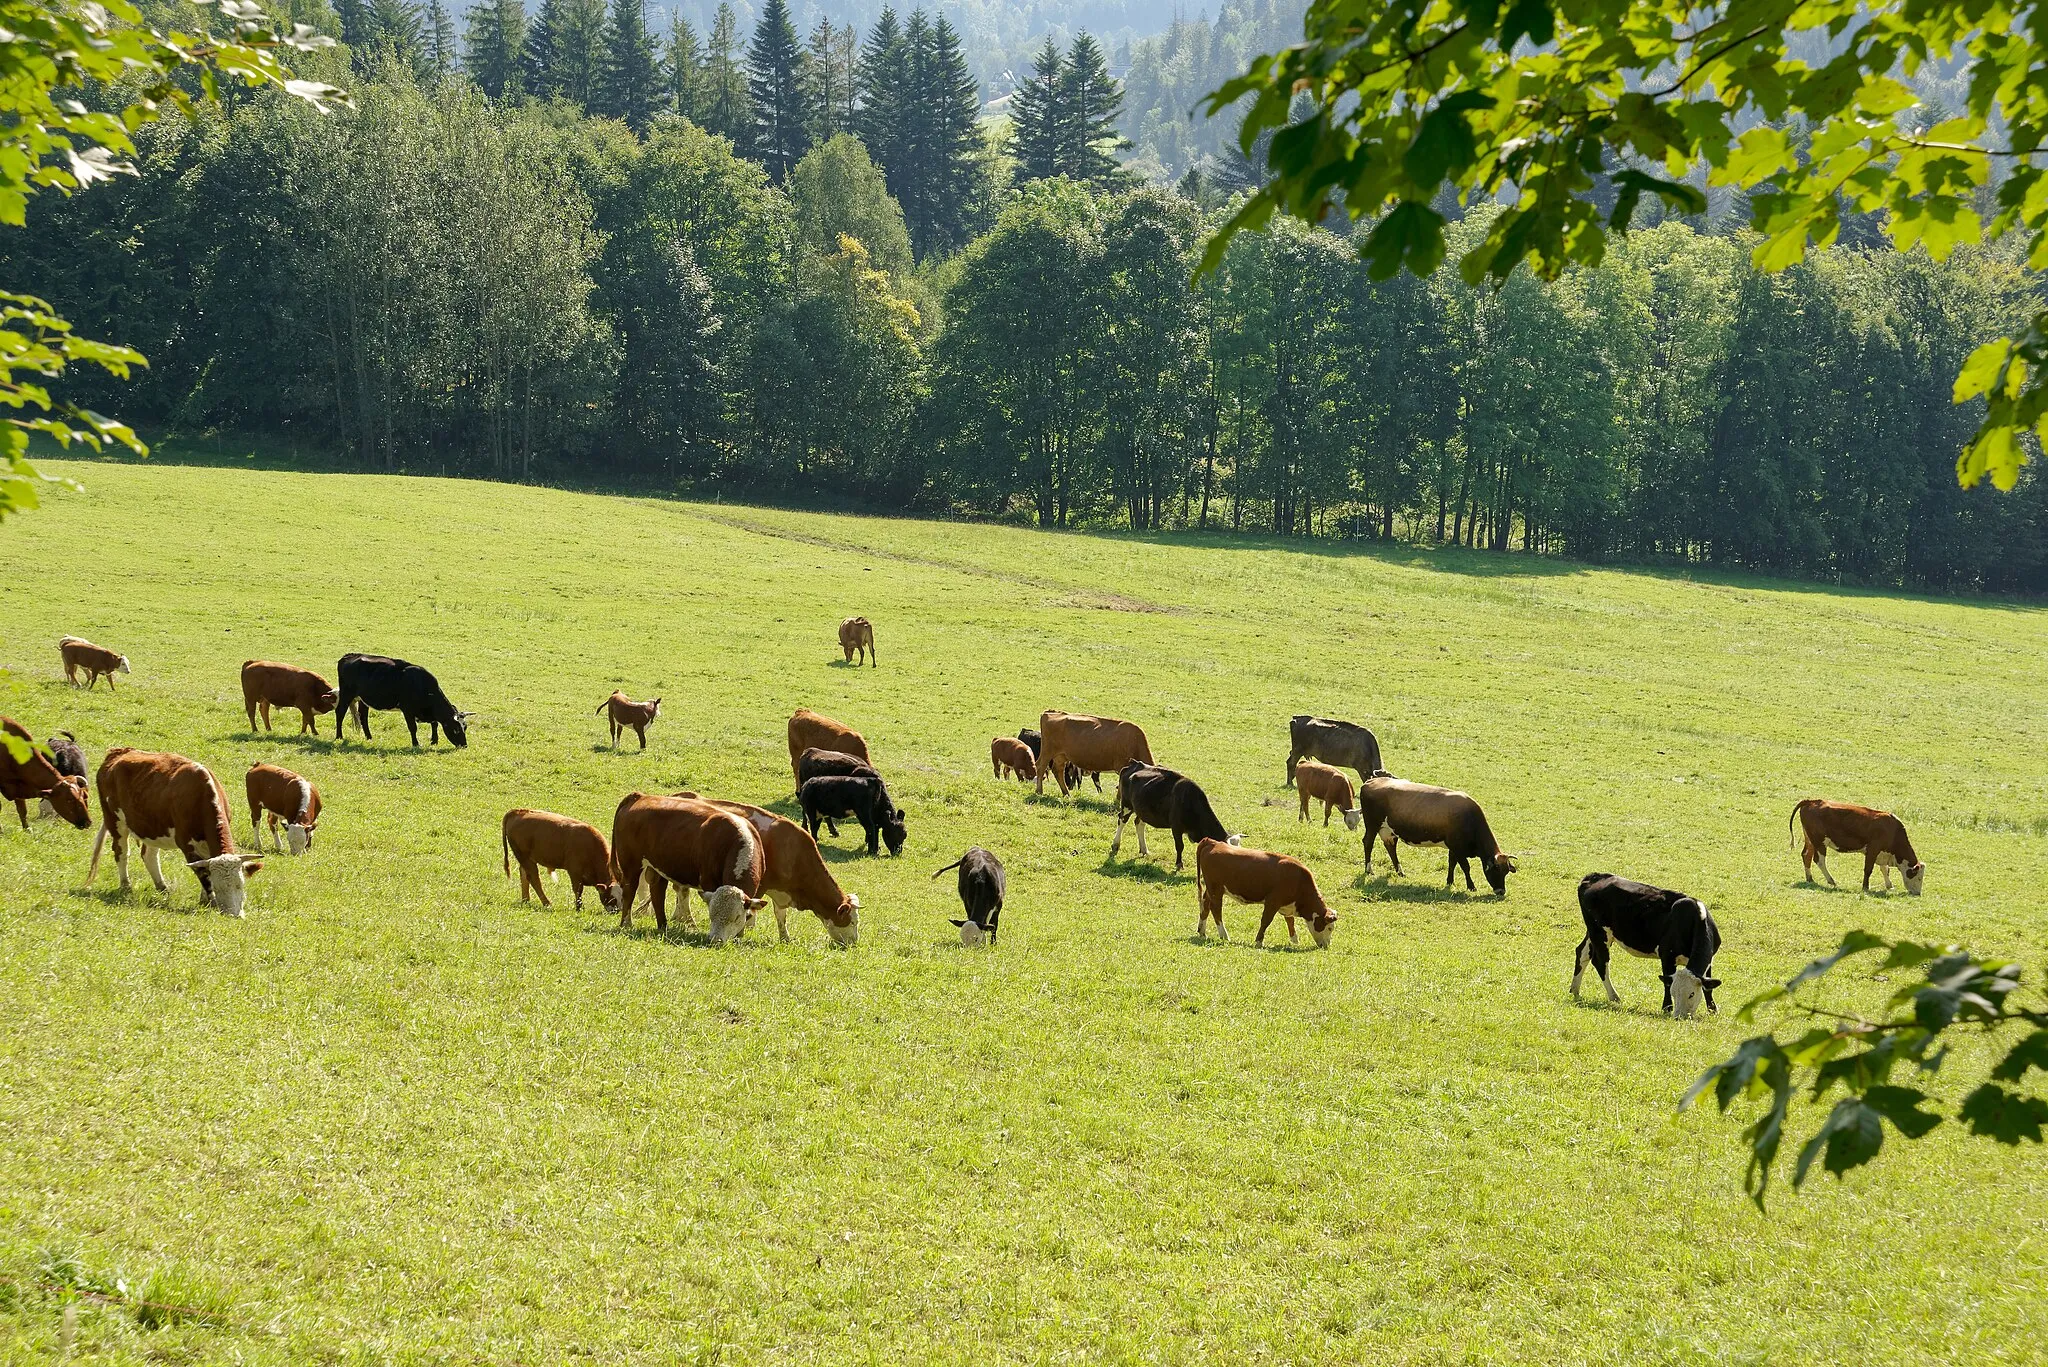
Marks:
<point>780,901</point>
<point>1117,841</point>
<point>1600,956</point>
<point>1178,856</point>
<point>1326,814</point>
<point>1393,848</point>
<point>151,867</point>
<point>21,810</point>
<point>576,886</point>
<point>532,871</point>
<point>1265,919</point>
<point>1667,965</point>
<point>641,731</point>
<point>1141,838</point>
<point>1293,758</point>
<point>683,912</point>
<point>1579,957</point>
<point>1304,805</point>
<point>1887,876</point>
<point>1820,857</point>
<point>629,888</point>
<point>412,728</point>
<point>1869,863</point>
<point>121,859</point>
<point>306,721</point>
<point>657,895</point>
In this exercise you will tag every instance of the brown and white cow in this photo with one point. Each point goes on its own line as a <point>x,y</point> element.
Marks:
<point>796,875</point>
<point>1879,836</point>
<point>267,684</point>
<point>542,840</point>
<point>1094,745</point>
<point>38,777</point>
<point>692,844</point>
<point>97,661</point>
<point>278,792</point>
<point>810,730</point>
<point>1320,783</point>
<point>625,712</point>
<point>1422,815</point>
<point>1283,886</point>
<point>168,802</point>
<point>857,634</point>
<point>1007,752</point>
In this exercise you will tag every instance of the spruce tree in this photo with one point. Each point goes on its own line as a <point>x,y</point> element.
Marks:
<point>437,41</point>
<point>884,79</point>
<point>497,28</point>
<point>683,69</point>
<point>629,85</point>
<point>1038,117</point>
<point>825,83</point>
<point>728,107</point>
<point>1091,102</point>
<point>563,49</point>
<point>775,78</point>
<point>537,60</point>
<point>950,141</point>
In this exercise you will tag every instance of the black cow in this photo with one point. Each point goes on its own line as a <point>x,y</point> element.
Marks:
<point>861,796</point>
<point>1165,799</point>
<point>818,763</point>
<point>1650,923</point>
<point>69,758</point>
<point>1030,737</point>
<point>981,894</point>
<point>1337,743</point>
<point>384,684</point>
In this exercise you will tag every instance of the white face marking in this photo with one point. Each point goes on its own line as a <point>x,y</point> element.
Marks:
<point>1322,937</point>
<point>971,935</point>
<point>230,883</point>
<point>728,913</point>
<point>1351,818</point>
<point>1235,840</point>
<point>1686,993</point>
<point>1914,880</point>
<point>297,836</point>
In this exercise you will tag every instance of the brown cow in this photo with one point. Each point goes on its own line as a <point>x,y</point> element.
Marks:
<point>1422,815</point>
<point>810,730</point>
<point>858,634</point>
<point>693,844</point>
<point>625,712</point>
<point>542,840</point>
<point>1094,745</point>
<point>1319,782</point>
<point>1848,828</point>
<point>168,802</point>
<point>267,684</point>
<point>37,777</point>
<point>1283,886</point>
<point>96,661</point>
<point>1007,752</point>
<point>797,876</point>
<point>282,793</point>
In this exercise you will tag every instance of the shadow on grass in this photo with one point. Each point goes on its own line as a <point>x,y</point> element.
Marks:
<point>1105,804</point>
<point>602,747</point>
<point>1141,871</point>
<point>311,743</point>
<point>1383,888</point>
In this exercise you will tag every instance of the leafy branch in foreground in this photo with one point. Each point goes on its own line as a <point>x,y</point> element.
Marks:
<point>1956,990</point>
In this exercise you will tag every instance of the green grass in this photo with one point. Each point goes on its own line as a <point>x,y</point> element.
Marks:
<point>396,1116</point>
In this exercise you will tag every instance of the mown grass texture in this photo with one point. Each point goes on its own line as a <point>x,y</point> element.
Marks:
<point>396,1116</point>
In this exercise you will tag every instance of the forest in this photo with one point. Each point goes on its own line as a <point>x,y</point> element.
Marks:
<point>807,271</point>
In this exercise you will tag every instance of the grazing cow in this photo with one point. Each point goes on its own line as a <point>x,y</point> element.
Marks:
<point>1097,745</point>
<point>380,683</point>
<point>168,802</point>
<point>282,793</point>
<point>69,758</point>
<point>810,730</point>
<point>1029,735</point>
<point>1333,742</point>
<point>1650,923</point>
<point>858,634</point>
<point>1283,886</point>
<point>542,840</point>
<point>981,895</point>
<point>1167,800</point>
<point>39,776</point>
<point>862,796</point>
<point>267,684</point>
<point>625,712</point>
<point>1880,836</point>
<point>816,763</point>
<point>692,844</point>
<point>1319,782</point>
<point>797,876</point>
<point>1422,815</point>
<point>1006,752</point>
<point>97,662</point>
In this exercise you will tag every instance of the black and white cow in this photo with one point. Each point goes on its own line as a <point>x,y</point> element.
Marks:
<point>861,796</point>
<point>1650,923</point>
<point>1161,797</point>
<point>981,894</point>
<point>1339,743</point>
<point>380,683</point>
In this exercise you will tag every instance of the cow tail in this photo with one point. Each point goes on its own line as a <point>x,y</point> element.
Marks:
<point>1201,892</point>
<point>98,844</point>
<point>505,844</point>
<point>602,706</point>
<point>1792,822</point>
<point>952,866</point>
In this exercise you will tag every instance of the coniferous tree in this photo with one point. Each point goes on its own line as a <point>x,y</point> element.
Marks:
<point>1091,102</point>
<point>1038,117</point>
<point>775,77</point>
<point>826,84</point>
<point>950,141</point>
<point>437,41</point>
<point>497,28</point>
<point>884,79</point>
<point>683,69</point>
<point>565,49</point>
<point>912,187</point>
<point>537,60</point>
<point>629,84</point>
<point>728,105</point>
<point>846,52</point>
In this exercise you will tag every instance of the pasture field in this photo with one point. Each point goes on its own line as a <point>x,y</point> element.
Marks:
<point>396,1116</point>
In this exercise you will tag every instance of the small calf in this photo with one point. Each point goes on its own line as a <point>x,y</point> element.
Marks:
<point>282,793</point>
<point>1005,752</point>
<point>1320,783</point>
<point>68,758</point>
<point>267,684</point>
<point>97,662</point>
<point>981,895</point>
<point>625,712</point>
<point>542,840</point>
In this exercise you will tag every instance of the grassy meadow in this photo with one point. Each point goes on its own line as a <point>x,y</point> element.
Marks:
<point>396,1116</point>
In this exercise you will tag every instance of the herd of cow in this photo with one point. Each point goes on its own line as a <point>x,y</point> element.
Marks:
<point>742,857</point>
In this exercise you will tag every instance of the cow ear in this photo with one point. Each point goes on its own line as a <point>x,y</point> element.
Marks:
<point>959,923</point>
<point>1710,982</point>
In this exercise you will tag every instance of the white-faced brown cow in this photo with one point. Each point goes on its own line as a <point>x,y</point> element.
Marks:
<point>280,793</point>
<point>1320,783</point>
<point>810,730</point>
<point>1093,745</point>
<point>1283,886</point>
<point>1009,753</point>
<point>1879,836</point>
<point>168,802</point>
<point>267,684</point>
<point>1422,815</point>
<point>38,777</point>
<point>627,713</point>
<point>796,875</point>
<point>97,662</point>
<point>692,844</point>
<point>543,840</point>
<point>857,634</point>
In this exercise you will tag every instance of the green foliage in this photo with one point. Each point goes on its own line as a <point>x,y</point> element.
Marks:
<point>837,191</point>
<point>728,102</point>
<point>1957,992</point>
<point>775,76</point>
<point>1064,117</point>
<point>493,41</point>
<point>629,86</point>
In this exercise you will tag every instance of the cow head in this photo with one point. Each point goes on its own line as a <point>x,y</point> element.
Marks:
<point>226,877</point>
<point>1915,875</point>
<point>325,702</point>
<point>843,924</point>
<point>1497,870</point>
<point>732,911</point>
<point>1352,816</point>
<point>1322,927</point>
<point>299,838</point>
<point>892,831</point>
<point>123,665</point>
<point>1688,990</point>
<point>608,897</point>
<point>653,708</point>
<point>972,935</point>
<point>456,724</point>
<point>69,800</point>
